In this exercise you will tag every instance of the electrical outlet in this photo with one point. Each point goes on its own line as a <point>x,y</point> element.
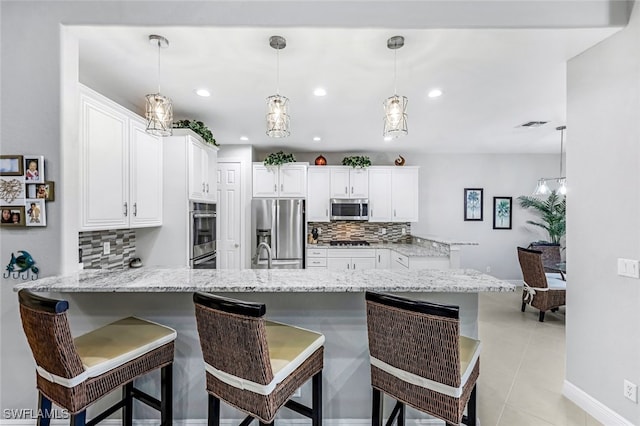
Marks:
<point>297,393</point>
<point>404,230</point>
<point>106,247</point>
<point>383,231</point>
<point>631,391</point>
<point>628,268</point>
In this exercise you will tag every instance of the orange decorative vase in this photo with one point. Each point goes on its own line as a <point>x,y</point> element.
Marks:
<point>321,161</point>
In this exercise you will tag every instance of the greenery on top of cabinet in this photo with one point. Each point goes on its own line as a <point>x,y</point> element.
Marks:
<point>197,126</point>
<point>279,158</point>
<point>360,161</point>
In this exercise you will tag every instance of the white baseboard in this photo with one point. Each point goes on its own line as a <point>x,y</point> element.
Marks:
<point>595,408</point>
<point>223,422</point>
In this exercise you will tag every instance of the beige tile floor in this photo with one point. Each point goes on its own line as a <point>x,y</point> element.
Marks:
<point>522,366</point>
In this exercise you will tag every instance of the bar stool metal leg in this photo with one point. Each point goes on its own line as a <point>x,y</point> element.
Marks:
<point>376,413</point>
<point>214,411</point>
<point>127,408</point>
<point>166,395</point>
<point>401,415</point>
<point>471,408</point>
<point>316,400</point>
<point>44,408</point>
<point>79,419</point>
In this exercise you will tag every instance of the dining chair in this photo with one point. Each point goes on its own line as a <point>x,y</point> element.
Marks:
<point>544,292</point>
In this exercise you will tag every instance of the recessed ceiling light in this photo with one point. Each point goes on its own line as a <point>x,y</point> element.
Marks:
<point>244,138</point>
<point>435,93</point>
<point>317,138</point>
<point>203,92</point>
<point>388,138</point>
<point>320,92</point>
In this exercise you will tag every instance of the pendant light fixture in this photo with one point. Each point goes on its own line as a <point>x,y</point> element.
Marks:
<point>395,107</point>
<point>278,106</point>
<point>159,108</point>
<point>542,188</point>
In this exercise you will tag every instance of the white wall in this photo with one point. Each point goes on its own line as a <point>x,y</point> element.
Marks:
<point>603,309</point>
<point>443,178</point>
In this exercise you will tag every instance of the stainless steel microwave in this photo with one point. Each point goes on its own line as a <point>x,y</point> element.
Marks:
<point>349,209</point>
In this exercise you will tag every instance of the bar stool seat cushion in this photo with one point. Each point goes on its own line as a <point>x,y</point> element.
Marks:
<point>469,350</point>
<point>113,345</point>
<point>289,347</point>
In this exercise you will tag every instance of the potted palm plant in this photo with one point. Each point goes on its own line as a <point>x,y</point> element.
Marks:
<point>552,213</point>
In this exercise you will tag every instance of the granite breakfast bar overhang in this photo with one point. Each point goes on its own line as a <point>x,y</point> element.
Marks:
<point>331,302</point>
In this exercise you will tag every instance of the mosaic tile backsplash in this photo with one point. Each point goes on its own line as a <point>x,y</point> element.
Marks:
<point>123,248</point>
<point>358,230</point>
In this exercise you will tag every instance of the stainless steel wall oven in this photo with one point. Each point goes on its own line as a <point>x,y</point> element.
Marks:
<point>202,236</point>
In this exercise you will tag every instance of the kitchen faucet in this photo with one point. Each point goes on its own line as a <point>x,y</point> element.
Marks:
<point>266,246</point>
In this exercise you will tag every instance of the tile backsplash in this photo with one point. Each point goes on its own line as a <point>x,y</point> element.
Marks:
<point>358,230</point>
<point>123,248</point>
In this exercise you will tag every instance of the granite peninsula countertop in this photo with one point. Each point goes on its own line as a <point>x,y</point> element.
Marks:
<point>169,280</point>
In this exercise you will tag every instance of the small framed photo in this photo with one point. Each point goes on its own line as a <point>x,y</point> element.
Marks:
<point>12,216</point>
<point>36,212</point>
<point>12,191</point>
<point>502,212</point>
<point>473,202</point>
<point>45,191</point>
<point>34,169</point>
<point>11,165</point>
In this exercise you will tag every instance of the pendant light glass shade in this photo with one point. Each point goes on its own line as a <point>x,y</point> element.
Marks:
<point>278,116</point>
<point>159,113</point>
<point>395,107</point>
<point>278,122</point>
<point>541,188</point>
<point>395,116</point>
<point>159,108</point>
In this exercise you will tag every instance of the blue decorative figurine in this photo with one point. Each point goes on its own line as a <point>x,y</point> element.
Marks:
<point>21,266</point>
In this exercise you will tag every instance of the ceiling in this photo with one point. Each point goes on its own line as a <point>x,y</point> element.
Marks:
<point>492,80</point>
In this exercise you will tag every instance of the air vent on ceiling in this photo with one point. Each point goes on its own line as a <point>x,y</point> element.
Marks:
<point>532,124</point>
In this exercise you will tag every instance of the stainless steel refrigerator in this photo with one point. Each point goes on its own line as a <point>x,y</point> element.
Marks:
<point>277,228</point>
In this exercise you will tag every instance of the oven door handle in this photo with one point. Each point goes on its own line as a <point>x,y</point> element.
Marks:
<point>204,259</point>
<point>203,215</point>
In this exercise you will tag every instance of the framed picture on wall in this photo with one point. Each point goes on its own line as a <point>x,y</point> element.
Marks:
<point>11,165</point>
<point>502,212</point>
<point>12,216</point>
<point>12,191</point>
<point>45,190</point>
<point>36,212</point>
<point>34,169</point>
<point>473,204</point>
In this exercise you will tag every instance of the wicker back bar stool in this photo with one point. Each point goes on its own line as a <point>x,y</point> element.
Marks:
<point>73,373</point>
<point>419,358</point>
<point>541,290</point>
<point>256,365</point>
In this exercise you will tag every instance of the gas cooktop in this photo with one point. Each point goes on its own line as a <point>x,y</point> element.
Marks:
<point>348,243</point>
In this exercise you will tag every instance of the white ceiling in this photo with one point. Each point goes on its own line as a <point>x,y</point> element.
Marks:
<point>493,80</point>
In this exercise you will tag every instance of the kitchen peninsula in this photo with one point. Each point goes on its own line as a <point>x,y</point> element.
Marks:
<point>331,302</point>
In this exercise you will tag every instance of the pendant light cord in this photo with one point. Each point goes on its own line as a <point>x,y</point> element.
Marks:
<point>395,72</point>
<point>561,146</point>
<point>278,71</point>
<point>158,66</point>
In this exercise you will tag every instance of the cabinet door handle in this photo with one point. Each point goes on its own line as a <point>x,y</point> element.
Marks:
<point>348,266</point>
<point>354,266</point>
<point>326,212</point>
<point>371,212</point>
<point>207,188</point>
<point>352,189</point>
<point>346,190</point>
<point>275,187</point>
<point>379,259</point>
<point>203,190</point>
<point>282,187</point>
<point>126,209</point>
<point>135,209</point>
<point>394,212</point>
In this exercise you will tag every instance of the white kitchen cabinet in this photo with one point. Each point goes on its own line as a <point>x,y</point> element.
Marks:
<point>402,262</point>
<point>347,182</point>
<point>404,194</point>
<point>318,193</point>
<point>380,209</point>
<point>351,259</point>
<point>286,181</point>
<point>383,259</point>
<point>203,161</point>
<point>146,178</point>
<point>120,167</point>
